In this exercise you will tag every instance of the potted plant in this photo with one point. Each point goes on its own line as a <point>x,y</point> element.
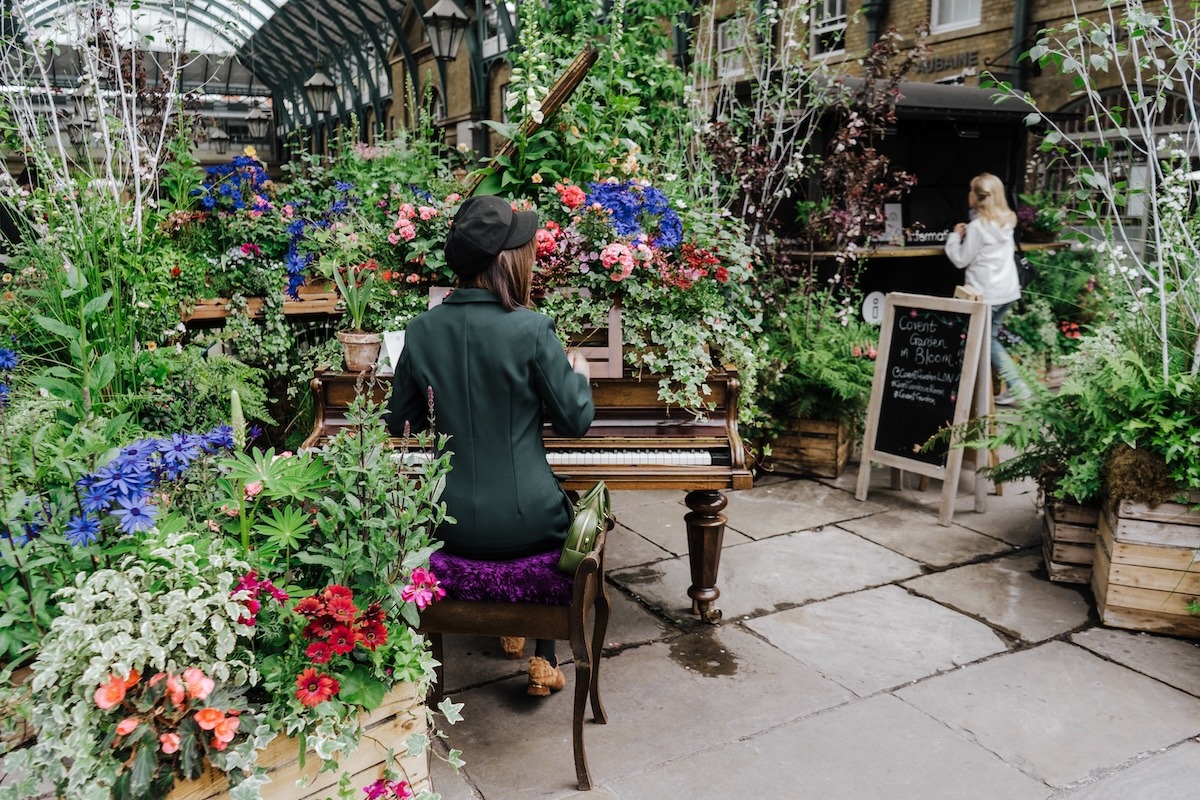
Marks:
<point>355,284</point>
<point>819,365</point>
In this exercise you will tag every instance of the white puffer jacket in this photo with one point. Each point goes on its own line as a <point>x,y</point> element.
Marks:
<point>986,253</point>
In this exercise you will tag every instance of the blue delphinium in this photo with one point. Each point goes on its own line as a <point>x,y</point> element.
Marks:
<point>638,210</point>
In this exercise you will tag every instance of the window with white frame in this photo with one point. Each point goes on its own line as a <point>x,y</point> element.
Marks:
<point>494,39</point>
<point>951,14</point>
<point>731,35</point>
<point>828,27</point>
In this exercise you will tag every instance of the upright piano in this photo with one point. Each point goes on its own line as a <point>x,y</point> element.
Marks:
<point>635,442</point>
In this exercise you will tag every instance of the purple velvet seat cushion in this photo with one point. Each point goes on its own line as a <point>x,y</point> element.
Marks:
<point>532,579</point>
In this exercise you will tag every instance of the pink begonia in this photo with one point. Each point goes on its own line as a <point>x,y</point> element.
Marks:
<point>423,589</point>
<point>199,685</point>
<point>175,690</point>
<point>252,489</point>
<point>127,726</point>
<point>170,742</point>
<point>110,693</point>
<point>407,231</point>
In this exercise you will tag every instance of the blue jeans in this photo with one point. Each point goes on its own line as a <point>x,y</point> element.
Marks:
<point>1002,362</point>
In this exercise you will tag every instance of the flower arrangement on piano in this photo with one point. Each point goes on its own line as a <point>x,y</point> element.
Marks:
<point>680,277</point>
<point>189,601</point>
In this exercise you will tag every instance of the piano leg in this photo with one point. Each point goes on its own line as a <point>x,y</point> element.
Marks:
<point>705,532</point>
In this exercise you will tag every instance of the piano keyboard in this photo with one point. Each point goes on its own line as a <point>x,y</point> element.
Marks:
<point>662,457</point>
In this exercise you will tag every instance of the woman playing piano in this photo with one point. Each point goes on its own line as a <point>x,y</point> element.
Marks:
<point>494,365</point>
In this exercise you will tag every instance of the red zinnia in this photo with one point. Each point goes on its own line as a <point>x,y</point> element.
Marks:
<point>319,652</point>
<point>314,688</point>
<point>310,607</point>
<point>372,634</point>
<point>320,628</point>
<point>343,639</point>
<point>341,609</point>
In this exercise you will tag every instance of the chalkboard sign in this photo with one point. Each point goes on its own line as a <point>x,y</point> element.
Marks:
<point>921,381</point>
<point>932,364</point>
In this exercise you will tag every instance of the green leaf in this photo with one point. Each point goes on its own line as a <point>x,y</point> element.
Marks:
<point>57,327</point>
<point>360,687</point>
<point>96,305</point>
<point>144,766</point>
<point>103,373</point>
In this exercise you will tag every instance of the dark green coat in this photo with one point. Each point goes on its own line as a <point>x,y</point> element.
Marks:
<point>493,372</point>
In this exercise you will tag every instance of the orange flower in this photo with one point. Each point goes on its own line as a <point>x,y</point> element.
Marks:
<point>175,690</point>
<point>226,729</point>
<point>110,694</point>
<point>133,677</point>
<point>199,685</point>
<point>209,718</point>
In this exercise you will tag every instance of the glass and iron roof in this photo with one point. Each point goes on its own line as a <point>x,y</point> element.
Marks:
<point>234,47</point>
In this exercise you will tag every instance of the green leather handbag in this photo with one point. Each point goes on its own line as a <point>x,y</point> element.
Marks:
<point>591,516</point>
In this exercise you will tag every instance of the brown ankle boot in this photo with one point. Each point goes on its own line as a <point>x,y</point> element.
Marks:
<point>513,646</point>
<point>543,678</point>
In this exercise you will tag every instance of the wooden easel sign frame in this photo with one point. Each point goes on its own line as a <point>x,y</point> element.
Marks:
<point>932,364</point>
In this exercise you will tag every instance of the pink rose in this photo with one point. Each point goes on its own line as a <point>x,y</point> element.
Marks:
<point>252,489</point>
<point>393,239</point>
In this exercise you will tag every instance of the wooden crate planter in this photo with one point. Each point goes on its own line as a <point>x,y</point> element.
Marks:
<point>389,726</point>
<point>1069,541</point>
<point>319,298</point>
<point>814,447</point>
<point>1146,570</point>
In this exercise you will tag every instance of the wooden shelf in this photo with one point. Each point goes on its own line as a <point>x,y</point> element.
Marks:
<point>314,301</point>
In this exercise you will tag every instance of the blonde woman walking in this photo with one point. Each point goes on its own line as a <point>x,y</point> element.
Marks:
<point>984,248</point>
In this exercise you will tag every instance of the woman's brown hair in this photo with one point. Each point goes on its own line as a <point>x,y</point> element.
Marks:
<point>509,276</point>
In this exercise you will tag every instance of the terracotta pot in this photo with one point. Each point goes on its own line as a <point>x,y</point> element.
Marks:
<point>360,350</point>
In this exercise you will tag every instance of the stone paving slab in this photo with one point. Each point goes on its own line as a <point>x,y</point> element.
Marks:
<point>625,499</point>
<point>1058,712</point>
<point>915,533</point>
<point>1175,662</point>
<point>625,548</point>
<point>1011,594</point>
<point>780,572</point>
<point>794,506</point>
<point>1013,518</point>
<point>878,639</point>
<point>662,524</point>
<point>664,701</point>
<point>876,749</point>
<point>1172,775</point>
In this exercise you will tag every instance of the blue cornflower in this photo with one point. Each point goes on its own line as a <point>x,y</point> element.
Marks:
<point>219,438</point>
<point>82,531</point>
<point>421,192</point>
<point>342,186</point>
<point>8,359</point>
<point>179,450</point>
<point>296,228</point>
<point>5,395</point>
<point>97,499</point>
<point>135,514</point>
<point>339,207</point>
<point>123,477</point>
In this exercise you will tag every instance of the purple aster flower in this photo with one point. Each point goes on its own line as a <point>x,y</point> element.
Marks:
<point>82,531</point>
<point>179,450</point>
<point>97,499</point>
<point>8,359</point>
<point>135,514</point>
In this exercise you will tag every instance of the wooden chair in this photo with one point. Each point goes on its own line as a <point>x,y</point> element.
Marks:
<point>539,621</point>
